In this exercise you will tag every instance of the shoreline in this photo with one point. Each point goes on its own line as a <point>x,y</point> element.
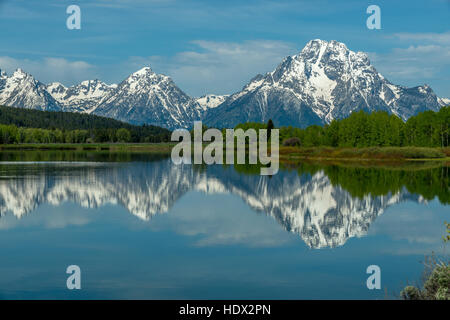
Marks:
<point>287,154</point>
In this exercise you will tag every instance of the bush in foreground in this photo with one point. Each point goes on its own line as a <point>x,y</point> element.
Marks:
<point>437,279</point>
<point>436,287</point>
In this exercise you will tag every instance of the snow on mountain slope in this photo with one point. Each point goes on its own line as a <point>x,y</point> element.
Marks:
<point>147,97</point>
<point>325,81</point>
<point>143,97</point>
<point>210,101</point>
<point>444,101</point>
<point>82,97</point>
<point>21,90</point>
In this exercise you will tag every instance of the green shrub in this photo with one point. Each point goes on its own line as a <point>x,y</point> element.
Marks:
<point>436,284</point>
<point>411,293</point>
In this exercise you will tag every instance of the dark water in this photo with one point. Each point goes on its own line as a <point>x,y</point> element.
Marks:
<point>140,227</point>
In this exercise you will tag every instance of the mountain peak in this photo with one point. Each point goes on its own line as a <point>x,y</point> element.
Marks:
<point>23,91</point>
<point>94,83</point>
<point>330,51</point>
<point>83,97</point>
<point>325,81</point>
<point>148,97</point>
<point>320,44</point>
<point>143,71</point>
<point>88,82</point>
<point>20,73</point>
<point>144,77</point>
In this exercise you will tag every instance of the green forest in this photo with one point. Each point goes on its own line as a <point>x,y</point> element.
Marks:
<point>360,129</point>
<point>19,125</point>
<point>376,129</point>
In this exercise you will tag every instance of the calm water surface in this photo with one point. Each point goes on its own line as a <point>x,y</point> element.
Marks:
<point>140,227</point>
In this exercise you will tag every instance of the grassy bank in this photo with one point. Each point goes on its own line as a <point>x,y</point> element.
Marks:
<point>372,153</point>
<point>115,147</point>
<point>286,153</point>
<point>294,164</point>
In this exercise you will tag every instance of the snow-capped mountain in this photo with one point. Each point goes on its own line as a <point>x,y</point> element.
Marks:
<point>147,97</point>
<point>325,81</point>
<point>143,97</point>
<point>23,91</point>
<point>82,97</point>
<point>209,101</point>
<point>321,213</point>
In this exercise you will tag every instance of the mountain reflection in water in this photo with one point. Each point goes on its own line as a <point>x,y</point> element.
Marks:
<point>324,204</point>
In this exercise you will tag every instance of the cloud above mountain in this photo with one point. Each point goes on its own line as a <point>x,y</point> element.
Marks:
<point>441,38</point>
<point>171,31</point>
<point>50,69</point>
<point>424,56</point>
<point>325,81</point>
<point>219,67</point>
<point>225,67</point>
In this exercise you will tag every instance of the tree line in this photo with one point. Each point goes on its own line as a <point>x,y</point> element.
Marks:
<point>10,134</point>
<point>376,129</point>
<point>33,126</point>
<point>363,129</point>
<point>360,129</point>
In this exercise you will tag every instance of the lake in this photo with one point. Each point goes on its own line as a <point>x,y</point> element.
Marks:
<point>140,227</point>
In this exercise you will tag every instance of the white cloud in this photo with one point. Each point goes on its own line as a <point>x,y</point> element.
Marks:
<point>441,38</point>
<point>424,58</point>
<point>51,69</point>
<point>49,217</point>
<point>218,67</point>
<point>231,224</point>
<point>413,64</point>
<point>210,67</point>
<point>414,228</point>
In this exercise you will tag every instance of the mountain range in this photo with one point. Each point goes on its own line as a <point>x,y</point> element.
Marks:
<point>325,81</point>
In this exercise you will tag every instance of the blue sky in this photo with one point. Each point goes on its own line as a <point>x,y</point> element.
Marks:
<point>217,46</point>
